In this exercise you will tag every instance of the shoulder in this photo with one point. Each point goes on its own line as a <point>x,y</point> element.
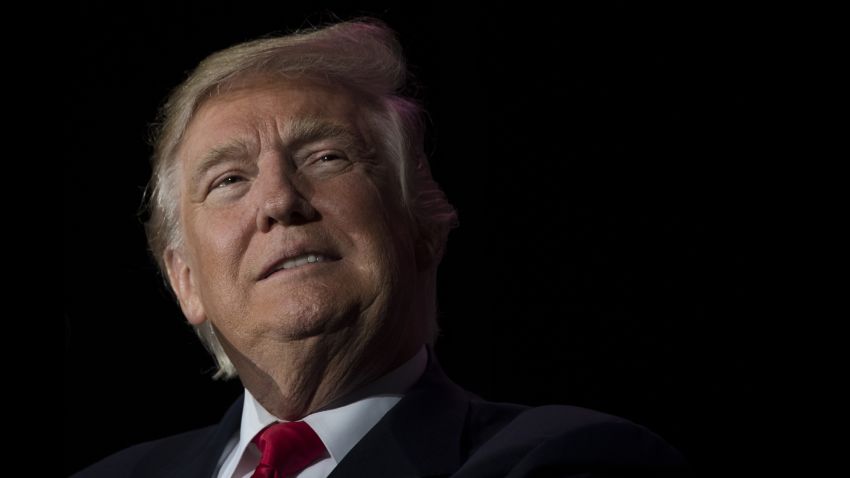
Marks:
<point>153,458</point>
<point>513,440</point>
<point>192,453</point>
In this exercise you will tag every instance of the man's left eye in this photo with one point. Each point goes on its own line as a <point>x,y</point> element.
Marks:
<point>227,181</point>
<point>330,157</point>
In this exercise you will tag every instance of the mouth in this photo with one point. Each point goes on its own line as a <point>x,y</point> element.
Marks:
<point>307,259</point>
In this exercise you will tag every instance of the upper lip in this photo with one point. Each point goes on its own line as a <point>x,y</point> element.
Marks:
<point>293,252</point>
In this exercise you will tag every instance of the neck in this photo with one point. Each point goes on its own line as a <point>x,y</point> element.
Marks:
<point>298,378</point>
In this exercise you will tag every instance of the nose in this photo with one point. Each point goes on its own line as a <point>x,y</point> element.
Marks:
<point>282,200</point>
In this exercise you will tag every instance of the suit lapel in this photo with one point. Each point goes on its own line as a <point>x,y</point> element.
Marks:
<point>419,437</point>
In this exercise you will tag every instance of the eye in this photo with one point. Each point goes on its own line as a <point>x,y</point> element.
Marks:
<point>330,157</point>
<point>327,161</point>
<point>227,181</point>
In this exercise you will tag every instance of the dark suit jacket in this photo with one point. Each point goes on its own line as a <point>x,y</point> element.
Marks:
<point>439,429</point>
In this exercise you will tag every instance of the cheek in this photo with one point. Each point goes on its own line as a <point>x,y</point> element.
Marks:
<point>375,222</point>
<point>362,209</point>
<point>218,242</point>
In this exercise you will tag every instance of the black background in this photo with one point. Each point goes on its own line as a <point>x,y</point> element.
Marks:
<point>595,156</point>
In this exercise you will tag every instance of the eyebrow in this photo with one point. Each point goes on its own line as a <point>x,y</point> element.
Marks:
<point>307,130</point>
<point>297,134</point>
<point>235,149</point>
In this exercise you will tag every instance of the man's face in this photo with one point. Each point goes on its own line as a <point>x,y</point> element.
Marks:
<point>276,172</point>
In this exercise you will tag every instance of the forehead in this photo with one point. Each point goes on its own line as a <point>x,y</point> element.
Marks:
<point>266,110</point>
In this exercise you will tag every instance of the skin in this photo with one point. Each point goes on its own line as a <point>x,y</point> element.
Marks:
<point>304,338</point>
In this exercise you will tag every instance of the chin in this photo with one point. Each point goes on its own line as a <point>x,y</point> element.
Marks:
<point>293,322</point>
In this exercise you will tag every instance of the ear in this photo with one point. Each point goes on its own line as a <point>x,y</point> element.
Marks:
<point>182,280</point>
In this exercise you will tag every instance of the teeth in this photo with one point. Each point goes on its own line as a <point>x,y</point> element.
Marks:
<point>301,260</point>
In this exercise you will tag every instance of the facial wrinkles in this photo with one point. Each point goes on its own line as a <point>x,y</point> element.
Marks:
<point>238,221</point>
<point>249,132</point>
<point>266,131</point>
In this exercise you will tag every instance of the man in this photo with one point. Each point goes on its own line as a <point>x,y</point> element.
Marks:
<point>296,221</point>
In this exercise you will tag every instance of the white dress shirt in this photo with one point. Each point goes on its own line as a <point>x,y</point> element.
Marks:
<point>339,428</point>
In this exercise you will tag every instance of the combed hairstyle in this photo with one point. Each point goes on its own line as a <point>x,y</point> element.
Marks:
<point>363,55</point>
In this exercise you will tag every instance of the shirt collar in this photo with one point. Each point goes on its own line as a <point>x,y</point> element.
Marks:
<point>341,427</point>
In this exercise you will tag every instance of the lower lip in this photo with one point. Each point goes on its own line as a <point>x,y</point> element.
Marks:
<point>305,268</point>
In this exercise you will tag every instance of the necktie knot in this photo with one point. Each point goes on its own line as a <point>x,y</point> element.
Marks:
<point>287,448</point>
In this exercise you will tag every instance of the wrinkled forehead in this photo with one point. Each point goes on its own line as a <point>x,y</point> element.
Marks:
<point>248,119</point>
<point>279,107</point>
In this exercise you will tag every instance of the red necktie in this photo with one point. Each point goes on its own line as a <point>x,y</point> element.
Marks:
<point>287,449</point>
